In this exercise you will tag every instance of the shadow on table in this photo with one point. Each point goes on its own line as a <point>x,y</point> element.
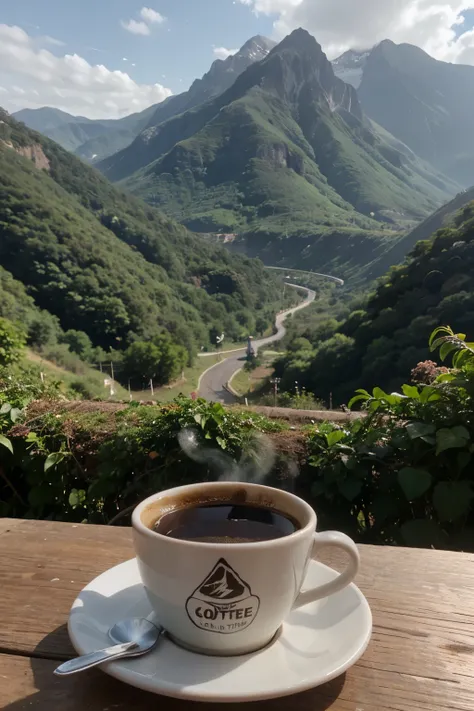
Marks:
<point>95,691</point>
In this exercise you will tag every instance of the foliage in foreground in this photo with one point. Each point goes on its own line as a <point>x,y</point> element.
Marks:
<point>64,464</point>
<point>403,474</point>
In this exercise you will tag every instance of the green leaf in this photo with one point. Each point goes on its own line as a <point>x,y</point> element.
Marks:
<point>6,407</point>
<point>5,442</point>
<point>414,482</point>
<point>77,498</point>
<point>437,343</point>
<point>411,391</point>
<point>335,437</point>
<point>445,378</point>
<point>53,460</point>
<point>419,430</point>
<point>355,399</point>
<point>452,499</point>
<point>199,419</point>
<point>423,533</point>
<point>445,330</point>
<point>446,349</point>
<point>429,394</point>
<point>221,442</point>
<point>394,398</point>
<point>15,413</point>
<point>379,394</point>
<point>454,438</point>
<point>350,488</point>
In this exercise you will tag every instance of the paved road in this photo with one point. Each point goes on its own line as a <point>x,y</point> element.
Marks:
<point>301,271</point>
<point>213,382</point>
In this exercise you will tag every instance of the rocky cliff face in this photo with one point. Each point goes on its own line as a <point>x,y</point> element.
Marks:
<point>425,103</point>
<point>217,80</point>
<point>30,149</point>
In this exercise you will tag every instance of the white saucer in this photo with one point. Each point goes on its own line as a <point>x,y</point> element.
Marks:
<point>317,643</point>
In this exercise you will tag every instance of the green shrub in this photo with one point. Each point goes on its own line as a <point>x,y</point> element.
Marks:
<point>404,473</point>
<point>94,467</point>
<point>11,342</point>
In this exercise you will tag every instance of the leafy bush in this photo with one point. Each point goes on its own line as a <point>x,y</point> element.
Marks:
<point>403,474</point>
<point>96,466</point>
<point>11,342</point>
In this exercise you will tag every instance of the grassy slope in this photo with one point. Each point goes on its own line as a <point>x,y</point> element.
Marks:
<point>86,381</point>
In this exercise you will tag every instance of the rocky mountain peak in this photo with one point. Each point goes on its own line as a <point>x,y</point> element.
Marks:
<point>305,75</point>
<point>302,41</point>
<point>257,47</point>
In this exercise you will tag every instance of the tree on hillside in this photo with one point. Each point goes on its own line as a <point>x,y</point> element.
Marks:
<point>159,360</point>
<point>11,342</point>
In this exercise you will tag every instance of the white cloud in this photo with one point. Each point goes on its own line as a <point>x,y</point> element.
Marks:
<point>69,82</point>
<point>341,24</point>
<point>151,16</point>
<point>223,52</point>
<point>136,28</point>
<point>142,27</point>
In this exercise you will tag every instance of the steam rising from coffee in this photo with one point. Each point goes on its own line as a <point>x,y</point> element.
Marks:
<point>253,467</point>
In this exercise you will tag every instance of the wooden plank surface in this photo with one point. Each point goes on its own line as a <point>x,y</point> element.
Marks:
<point>421,655</point>
<point>29,684</point>
<point>43,566</point>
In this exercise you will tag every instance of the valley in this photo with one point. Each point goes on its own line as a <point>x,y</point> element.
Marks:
<point>275,156</point>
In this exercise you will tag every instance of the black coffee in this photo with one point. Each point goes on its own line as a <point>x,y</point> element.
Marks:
<point>225,523</point>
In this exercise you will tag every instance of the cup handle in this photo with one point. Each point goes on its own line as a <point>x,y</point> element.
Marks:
<point>334,539</point>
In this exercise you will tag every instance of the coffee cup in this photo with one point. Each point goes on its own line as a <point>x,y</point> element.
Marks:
<point>223,563</point>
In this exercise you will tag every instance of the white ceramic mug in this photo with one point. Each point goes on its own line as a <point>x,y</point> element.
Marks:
<point>266,576</point>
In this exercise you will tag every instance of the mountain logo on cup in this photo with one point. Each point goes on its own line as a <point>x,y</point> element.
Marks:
<point>223,602</point>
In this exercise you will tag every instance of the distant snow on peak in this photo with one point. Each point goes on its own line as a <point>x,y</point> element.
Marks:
<point>350,66</point>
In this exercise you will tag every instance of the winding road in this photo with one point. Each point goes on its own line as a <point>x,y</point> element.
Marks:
<point>213,381</point>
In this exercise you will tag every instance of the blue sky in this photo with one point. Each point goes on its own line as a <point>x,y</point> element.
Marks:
<point>181,48</point>
<point>108,58</point>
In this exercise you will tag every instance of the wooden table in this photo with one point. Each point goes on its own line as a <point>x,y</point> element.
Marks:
<point>421,656</point>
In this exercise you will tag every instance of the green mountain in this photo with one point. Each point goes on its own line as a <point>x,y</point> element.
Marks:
<point>425,103</point>
<point>396,252</point>
<point>104,263</point>
<point>90,139</point>
<point>221,76</point>
<point>380,344</point>
<point>94,140</point>
<point>286,151</point>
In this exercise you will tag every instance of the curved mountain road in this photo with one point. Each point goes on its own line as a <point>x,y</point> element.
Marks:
<point>212,383</point>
